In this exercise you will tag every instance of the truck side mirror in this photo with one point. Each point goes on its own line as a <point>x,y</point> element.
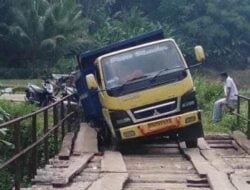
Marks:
<point>91,82</point>
<point>199,53</point>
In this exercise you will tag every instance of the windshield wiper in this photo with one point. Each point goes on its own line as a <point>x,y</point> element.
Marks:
<point>161,71</point>
<point>131,80</point>
<point>158,74</point>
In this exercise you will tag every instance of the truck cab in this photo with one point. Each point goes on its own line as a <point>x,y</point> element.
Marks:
<point>146,90</point>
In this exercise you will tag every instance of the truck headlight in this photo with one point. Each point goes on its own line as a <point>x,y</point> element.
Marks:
<point>120,119</point>
<point>188,104</point>
<point>188,101</point>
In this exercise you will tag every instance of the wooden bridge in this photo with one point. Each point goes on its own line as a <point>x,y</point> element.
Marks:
<point>220,162</point>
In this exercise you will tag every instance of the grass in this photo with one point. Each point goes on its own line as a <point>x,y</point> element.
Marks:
<point>18,82</point>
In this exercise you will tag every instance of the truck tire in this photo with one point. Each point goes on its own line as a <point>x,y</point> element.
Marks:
<point>191,143</point>
<point>104,136</point>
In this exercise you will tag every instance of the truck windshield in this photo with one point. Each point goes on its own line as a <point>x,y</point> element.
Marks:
<point>141,64</point>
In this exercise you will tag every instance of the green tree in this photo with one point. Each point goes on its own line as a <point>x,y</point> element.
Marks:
<point>123,25</point>
<point>42,32</point>
<point>222,27</point>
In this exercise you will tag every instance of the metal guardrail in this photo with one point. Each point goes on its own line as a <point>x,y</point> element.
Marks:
<point>60,118</point>
<point>239,116</point>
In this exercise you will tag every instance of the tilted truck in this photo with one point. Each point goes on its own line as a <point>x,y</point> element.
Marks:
<point>138,88</point>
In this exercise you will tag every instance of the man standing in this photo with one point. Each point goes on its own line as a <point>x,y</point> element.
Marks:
<point>230,99</point>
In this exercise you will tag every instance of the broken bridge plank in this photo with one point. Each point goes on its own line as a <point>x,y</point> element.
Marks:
<point>77,164</point>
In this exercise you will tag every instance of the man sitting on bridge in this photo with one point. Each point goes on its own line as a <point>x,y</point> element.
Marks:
<point>230,99</point>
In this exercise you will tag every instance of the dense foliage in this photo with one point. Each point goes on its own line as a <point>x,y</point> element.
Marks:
<point>37,34</point>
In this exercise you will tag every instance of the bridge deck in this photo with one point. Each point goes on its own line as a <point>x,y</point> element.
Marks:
<point>219,163</point>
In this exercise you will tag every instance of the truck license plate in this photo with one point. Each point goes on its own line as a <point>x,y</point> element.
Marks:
<point>160,123</point>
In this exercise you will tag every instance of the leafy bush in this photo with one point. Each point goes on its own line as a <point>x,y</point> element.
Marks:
<point>207,92</point>
<point>4,116</point>
<point>17,109</point>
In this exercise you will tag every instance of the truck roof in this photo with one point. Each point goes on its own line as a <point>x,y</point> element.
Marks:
<point>89,57</point>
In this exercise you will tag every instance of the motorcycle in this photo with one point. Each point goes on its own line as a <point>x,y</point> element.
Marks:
<point>42,96</point>
<point>59,82</point>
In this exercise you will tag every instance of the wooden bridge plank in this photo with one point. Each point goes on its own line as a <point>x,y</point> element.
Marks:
<point>216,161</point>
<point>240,182</point>
<point>202,144</point>
<point>66,149</point>
<point>217,180</point>
<point>216,136</point>
<point>197,160</point>
<point>113,162</point>
<point>242,140</point>
<point>86,141</point>
<point>77,164</point>
<point>110,181</point>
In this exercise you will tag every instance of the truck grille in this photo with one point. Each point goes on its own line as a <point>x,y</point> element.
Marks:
<point>155,109</point>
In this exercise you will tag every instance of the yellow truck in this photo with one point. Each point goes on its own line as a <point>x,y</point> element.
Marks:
<point>139,88</point>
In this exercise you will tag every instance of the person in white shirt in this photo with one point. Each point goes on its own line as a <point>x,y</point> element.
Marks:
<point>230,99</point>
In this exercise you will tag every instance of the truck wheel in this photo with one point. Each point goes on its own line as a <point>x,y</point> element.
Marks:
<point>191,144</point>
<point>104,136</point>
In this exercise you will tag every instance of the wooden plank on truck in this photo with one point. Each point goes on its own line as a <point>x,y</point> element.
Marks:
<point>67,144</point>
<point>86,140</point>
<point>113,162</point>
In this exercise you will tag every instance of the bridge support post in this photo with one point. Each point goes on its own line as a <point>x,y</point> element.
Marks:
<point>248,120</point>
<point>238,111</point>
<point>34,151</point>
<point>68,112</point>
<point>55,120</point>
<point>62,116</point>
<point>45,130</point>
<point>17,138</point>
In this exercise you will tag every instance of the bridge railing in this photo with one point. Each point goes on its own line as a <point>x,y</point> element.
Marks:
<point>64,117</point>
<point>240,116</point>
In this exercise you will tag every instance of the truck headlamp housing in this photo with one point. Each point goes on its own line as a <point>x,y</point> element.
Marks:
<point>120,119</point>
<point>188,101</point>
<point>188,104</point>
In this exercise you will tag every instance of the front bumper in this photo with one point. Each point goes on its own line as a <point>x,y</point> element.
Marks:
<point>160,125</point>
